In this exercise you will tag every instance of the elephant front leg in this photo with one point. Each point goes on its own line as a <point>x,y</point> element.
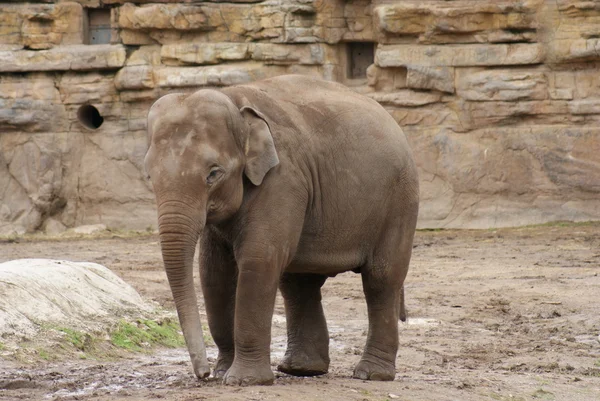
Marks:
<point>255,301</point>
<point>218,275</point>
<point>307,351</point>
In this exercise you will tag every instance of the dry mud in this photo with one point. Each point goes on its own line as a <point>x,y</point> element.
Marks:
<point>508,314</point>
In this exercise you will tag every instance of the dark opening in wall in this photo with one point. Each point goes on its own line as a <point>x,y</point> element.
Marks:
<point>89,116</point>
<point>98,22</point>
<point>360,56</point>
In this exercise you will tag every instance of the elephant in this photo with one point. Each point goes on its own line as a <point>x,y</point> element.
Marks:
<point>281,183</point>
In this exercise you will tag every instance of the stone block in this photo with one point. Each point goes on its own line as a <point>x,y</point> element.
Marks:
<point>434,115</point>
<point>502,84</point>
<point>83,88</point>
<point>182,17</point>
<point>203,53</point>
<point>145,55</point>
<point>41,26</point>
<point>459,55</point>
<point>563,51</point>
<point>135,77</point>
<point>358,15</point>
<point>64,58</point>
<point>312,54</point>
<point>438,78</point>
<point>475,115</point>
<point>225,75</point>
<point>456,21</point>
<point>585,106</point>
<point>383,79</point>
<point>406,97</point>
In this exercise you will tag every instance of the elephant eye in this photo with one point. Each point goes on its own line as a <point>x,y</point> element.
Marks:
<point>214,175</point>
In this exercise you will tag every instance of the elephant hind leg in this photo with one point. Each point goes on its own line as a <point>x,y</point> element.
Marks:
<point>307,352</point>
<point>383,279</point>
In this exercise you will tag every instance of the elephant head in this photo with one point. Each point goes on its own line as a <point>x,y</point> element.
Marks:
<point>200,147</point>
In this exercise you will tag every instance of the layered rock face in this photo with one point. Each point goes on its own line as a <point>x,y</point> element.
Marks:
<point>500,100</point>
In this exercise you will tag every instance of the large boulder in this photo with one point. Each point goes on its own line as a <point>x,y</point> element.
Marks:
<point>40,293</point>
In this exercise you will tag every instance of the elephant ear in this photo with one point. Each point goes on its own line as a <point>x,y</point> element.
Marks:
<point>261,155</point>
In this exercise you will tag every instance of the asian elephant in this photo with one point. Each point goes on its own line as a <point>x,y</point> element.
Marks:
<point>283,182</point>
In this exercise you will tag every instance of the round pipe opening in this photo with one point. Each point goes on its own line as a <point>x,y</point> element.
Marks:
<point>89,116</point>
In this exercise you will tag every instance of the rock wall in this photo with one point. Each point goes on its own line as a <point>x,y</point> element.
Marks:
<point>500,99</point>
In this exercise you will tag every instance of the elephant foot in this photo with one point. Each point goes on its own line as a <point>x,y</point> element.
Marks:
<point>201,369</point>
<point>248,376</point>
<point>366,370</point>
<point>301,364</point>
<point>224,362</point>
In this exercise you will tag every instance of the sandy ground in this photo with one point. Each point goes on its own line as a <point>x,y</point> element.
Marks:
<point>509,314</point>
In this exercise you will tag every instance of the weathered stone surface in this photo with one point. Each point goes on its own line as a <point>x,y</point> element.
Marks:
<point>35,179</point>
<point>145,55</point>
<point>358,15</point>
<point>405,97</point>
<point>474,115</point>
<point>234,74</point>
<point>32,104</point>
<point>203,53</point>
<point>486,178</point>
<point>386,78</point>
<point>458,21</point>
<point>434,115</point>
<point>505,85</point>
<point>562,51</point>
<point>135,77</point>
<point>438,78</point>
<point>481,110</point>
<point>459,55</point>
<point>181,17</point>
<point>41,26</point>
<point>81,88</point>
<point>64,58</point>
<point>42,292</point>
<point>269,53</point>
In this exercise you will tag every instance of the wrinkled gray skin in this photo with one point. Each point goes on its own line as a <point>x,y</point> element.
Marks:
<point>284,182</point>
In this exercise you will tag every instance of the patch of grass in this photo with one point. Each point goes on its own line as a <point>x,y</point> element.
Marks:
<point>543,394</point>
<point>2,346</point>
<point>597,363</point>
<point>145,334</point>
<point>80,340</point>
<point>42,353</point>
<point>564,223</point>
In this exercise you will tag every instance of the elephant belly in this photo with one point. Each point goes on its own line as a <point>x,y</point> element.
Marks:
<point>326,256</point>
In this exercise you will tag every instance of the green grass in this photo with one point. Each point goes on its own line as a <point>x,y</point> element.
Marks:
<point>597,363</point>
<point>80,340</point>
<point>42,353</point>
<point>2,346</point>
<point>145,333</point>
<point>564,223</point>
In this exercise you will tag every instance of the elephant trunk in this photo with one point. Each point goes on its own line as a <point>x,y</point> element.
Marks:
<point>179,228</point>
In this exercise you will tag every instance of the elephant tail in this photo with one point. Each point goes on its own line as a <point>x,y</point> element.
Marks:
<point>403,316</point>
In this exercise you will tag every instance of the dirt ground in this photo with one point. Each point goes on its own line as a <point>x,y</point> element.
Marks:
<point>508,314</point>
